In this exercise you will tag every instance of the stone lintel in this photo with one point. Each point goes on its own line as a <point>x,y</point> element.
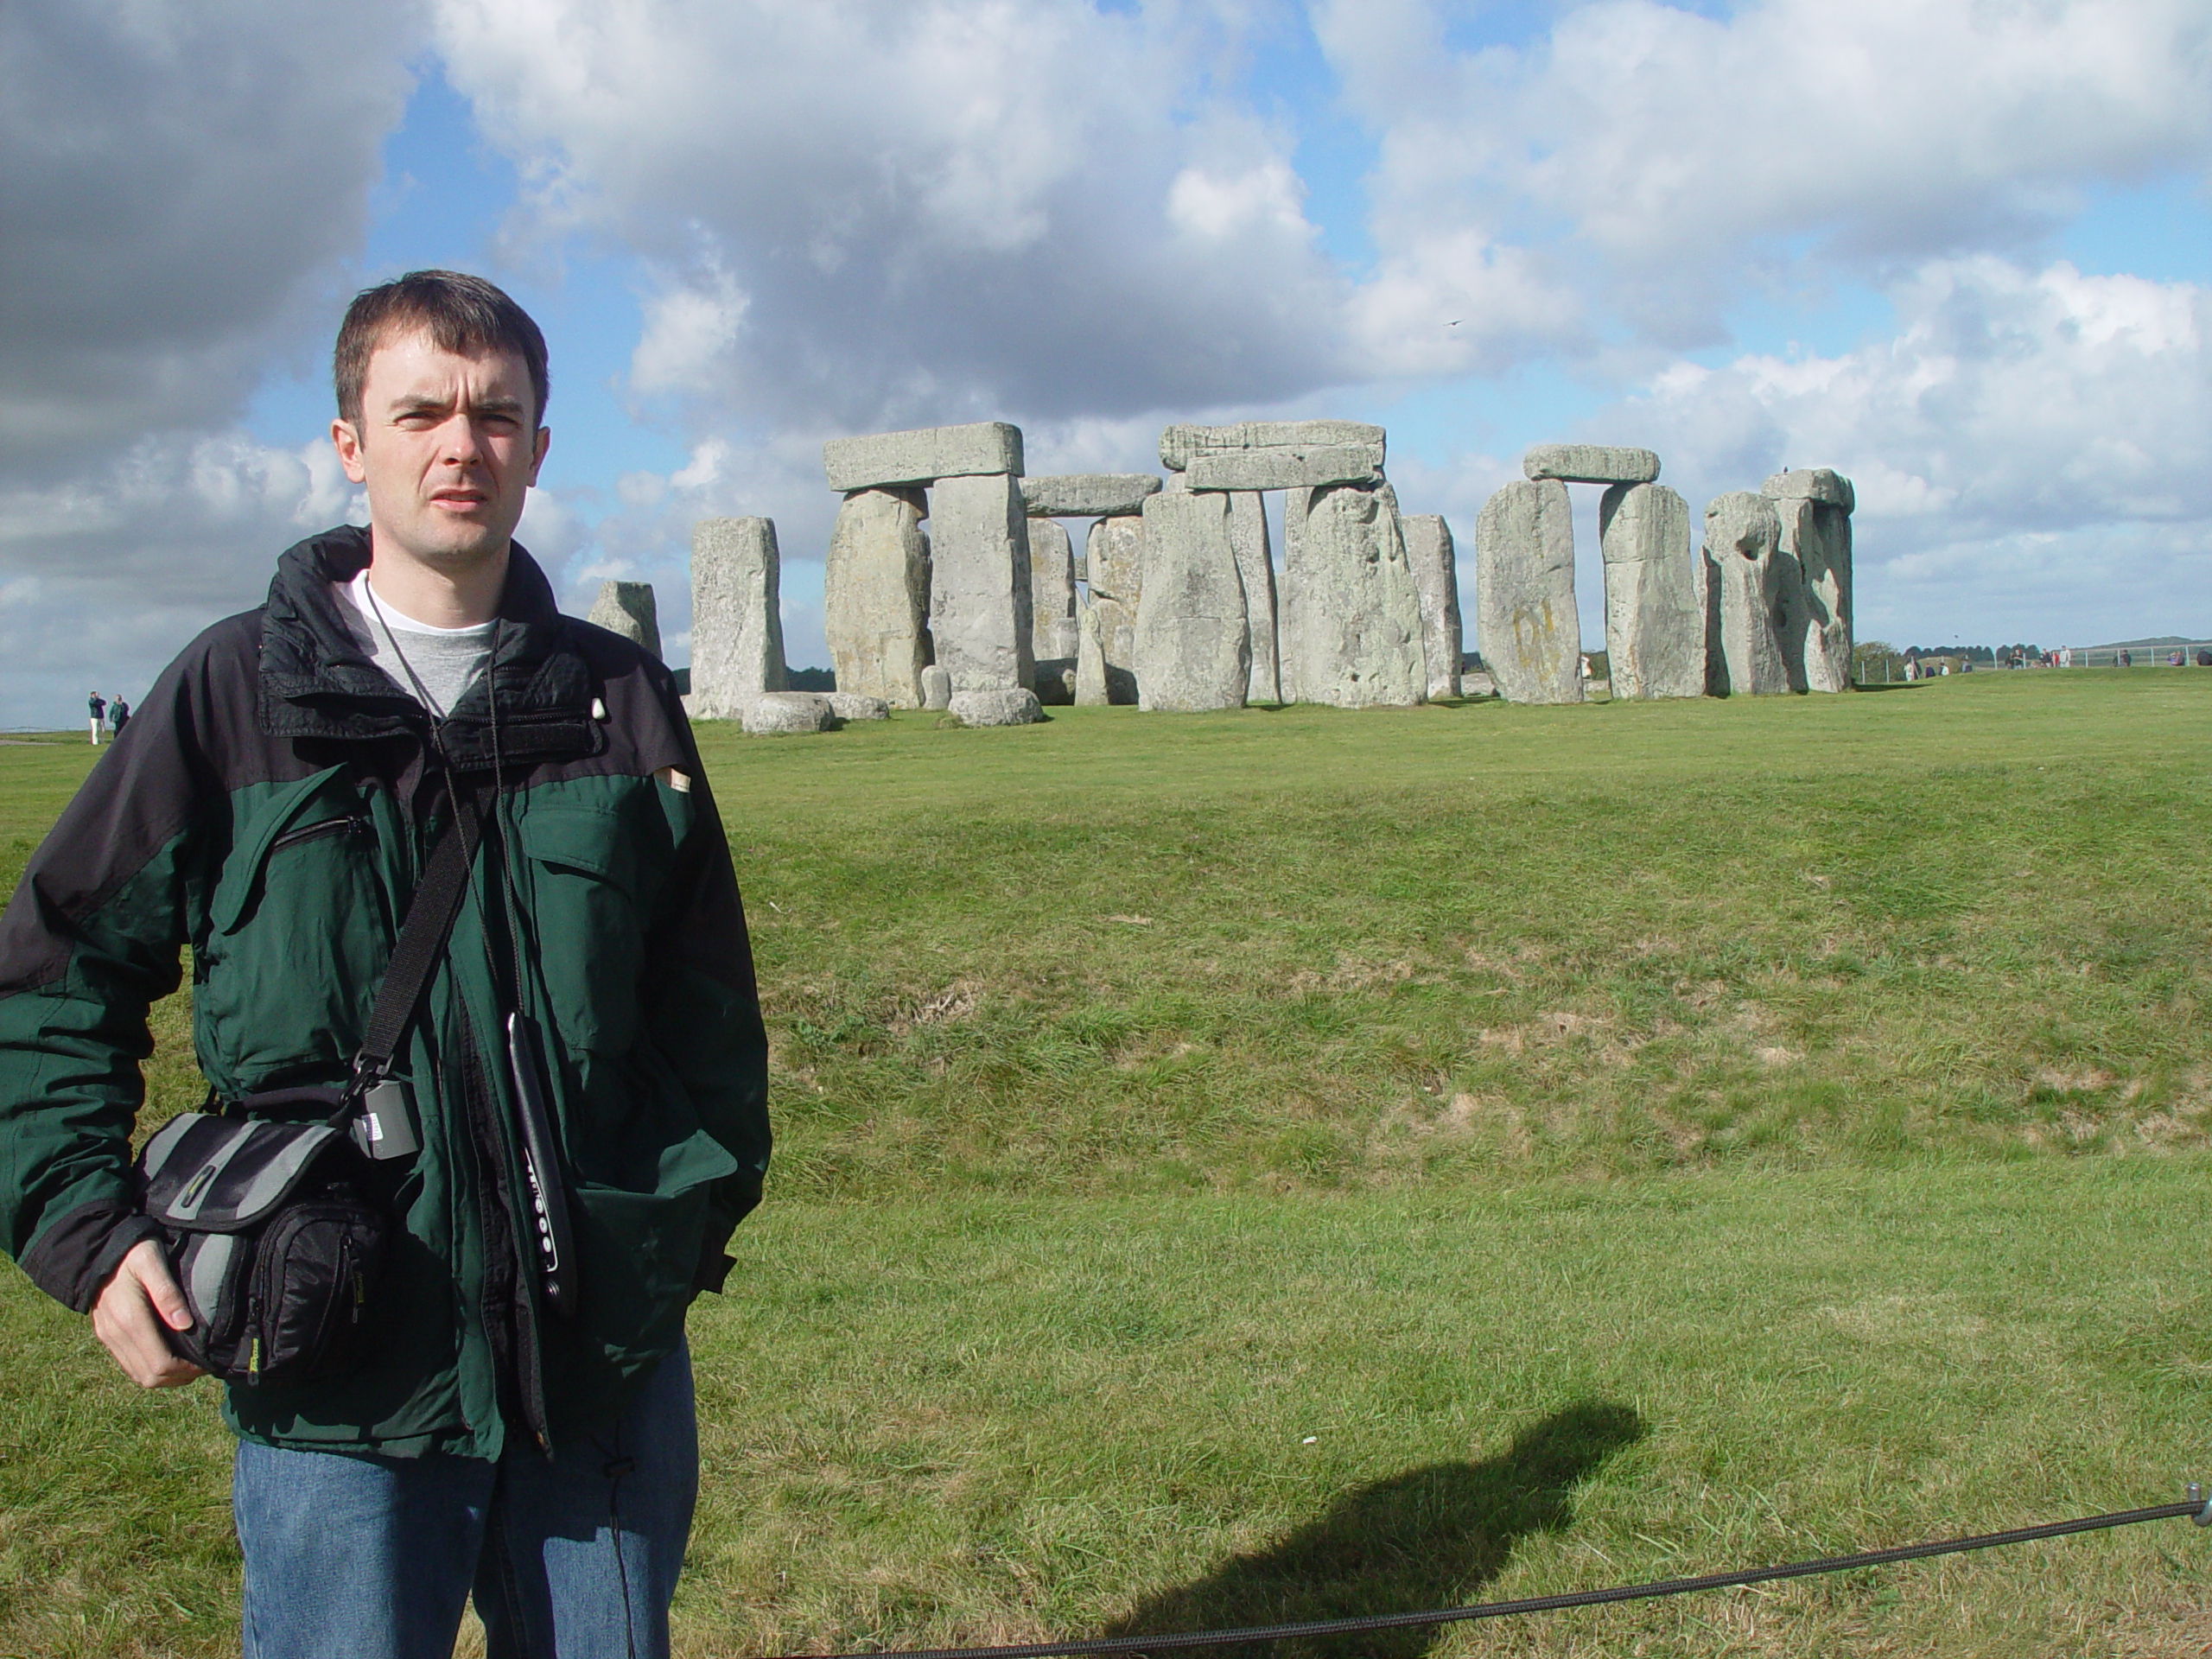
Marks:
<point>922,456</point>
<point>1821,484</point>
<point>1590,463</point>
<point>1087,495</point>
<point>1180,445</point>
<point>1303,466</point>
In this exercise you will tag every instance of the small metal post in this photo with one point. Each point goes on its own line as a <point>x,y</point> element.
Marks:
<point>2203,1515</point>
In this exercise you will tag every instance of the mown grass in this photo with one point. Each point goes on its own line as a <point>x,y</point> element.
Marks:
<point>1628,1140</point>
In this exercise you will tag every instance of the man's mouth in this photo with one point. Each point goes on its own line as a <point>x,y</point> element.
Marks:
<point>459,498</point>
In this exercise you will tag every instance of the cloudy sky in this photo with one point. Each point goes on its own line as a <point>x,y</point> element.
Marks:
<point>1959,249</point>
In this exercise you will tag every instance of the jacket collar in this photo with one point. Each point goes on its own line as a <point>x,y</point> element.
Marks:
<point>316,682</point>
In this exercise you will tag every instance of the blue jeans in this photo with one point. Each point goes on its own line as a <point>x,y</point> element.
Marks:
<point>373,1558</point>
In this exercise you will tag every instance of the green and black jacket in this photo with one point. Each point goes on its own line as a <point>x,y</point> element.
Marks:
<point>271,806</point>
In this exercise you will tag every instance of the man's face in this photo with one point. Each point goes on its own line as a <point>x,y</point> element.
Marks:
<point>446,446</point>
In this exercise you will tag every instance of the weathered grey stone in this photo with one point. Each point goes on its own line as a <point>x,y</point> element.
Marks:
<point>1290,593</point>
<point>1590,463</point>
<point>773,714</point>
<point>1434,564</point>
<point>1820,484</point>
<point>1051,593</point>
<point>628,608</point>
<point>937,687</point>
<point>875,595</point>
<point>1526,626</point>
<point>737,624</point>
<point>1247,535</point>
<point>1816,551</point>
<point>1180,445</point>
<point>1087,495</point>
<point>998,706</point>
<point>1655,602</point>
<point>1192,650</point>
<point>1358,637</point>
<point>1745,592</point>
<point>979,583</point>
<point>1090,663</point>
<point>1299,467</point>
<point>1114,555</point>
<point>852,705</point>
<point>922,456</point>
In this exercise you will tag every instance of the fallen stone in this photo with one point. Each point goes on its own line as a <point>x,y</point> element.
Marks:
<point>979,583</point>
<point>1180,445</point>
<point>936,688</point>
<point>852,705</point>
<point>1051,593</point>
<point>774,713</point>
<point>997,707</point>
<point>1820,484</point>
<point>1528,630</point>
<point>1358,637</point>
<point>1248,536</point>
<point>1302,467</point>
<point>1815,551</point>
<point>1193,653</point>
<point>1090,663</point>
<point>1590,463</point>
<point>1430,553</point>
<point>628,608</point>
<point>1744,589</point>
<point>875,595</point>
<point>1655,602</point>
<point>1087,495</point>
<point>1114,553</point>
<point>922,456</point>
<point>737,625</point>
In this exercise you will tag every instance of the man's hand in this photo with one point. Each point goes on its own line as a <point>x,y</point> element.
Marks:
<point>131,1316</point>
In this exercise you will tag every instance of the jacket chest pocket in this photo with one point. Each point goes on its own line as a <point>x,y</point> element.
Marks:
<point>299,929</point>
<point>585,918</point>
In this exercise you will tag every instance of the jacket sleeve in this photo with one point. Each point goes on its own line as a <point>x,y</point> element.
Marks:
<point>706,1017</point>
<point>89,940</point>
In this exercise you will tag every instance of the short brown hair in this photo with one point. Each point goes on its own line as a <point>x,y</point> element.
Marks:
<point>461,313</point>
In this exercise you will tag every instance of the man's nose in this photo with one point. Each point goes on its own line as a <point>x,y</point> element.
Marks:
<point>464,444</point>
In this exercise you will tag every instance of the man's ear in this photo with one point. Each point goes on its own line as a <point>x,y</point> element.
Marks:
<point>346,441</point>
<point>538,457</point>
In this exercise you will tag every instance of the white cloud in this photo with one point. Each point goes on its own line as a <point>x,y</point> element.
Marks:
<point>180,181</point>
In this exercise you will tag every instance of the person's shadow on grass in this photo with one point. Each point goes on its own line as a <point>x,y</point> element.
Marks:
<point>1428,1538</point>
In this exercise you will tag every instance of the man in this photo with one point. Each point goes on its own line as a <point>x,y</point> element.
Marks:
<point>119,714</point>
<point>96,706</point>
<point>273,807</point>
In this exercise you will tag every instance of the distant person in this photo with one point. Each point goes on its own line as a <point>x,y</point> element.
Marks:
<point>96,705</point>
<point>2125,659</point>
<point>2204,658</point>
<point>119,714</point>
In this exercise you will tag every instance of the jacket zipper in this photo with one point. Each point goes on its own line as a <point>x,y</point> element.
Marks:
<point>349,826</point>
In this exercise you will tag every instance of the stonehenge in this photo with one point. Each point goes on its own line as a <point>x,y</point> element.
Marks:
<point>737,621</point>
<point>954,582</point>
<point>628,608</point>
<point>1527,627</point>
<point>1655,603</point>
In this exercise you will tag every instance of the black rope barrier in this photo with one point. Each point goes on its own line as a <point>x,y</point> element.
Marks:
<point>2195,1507</point>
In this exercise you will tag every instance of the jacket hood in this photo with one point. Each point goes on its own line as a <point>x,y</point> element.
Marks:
<point>317,683</point>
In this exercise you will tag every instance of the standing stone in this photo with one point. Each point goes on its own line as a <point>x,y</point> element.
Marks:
<point>937,687</point>
<point>1814,506</point>
<point>1290,599</point>
<point>1654,604</point>
<point>1526,626</point>
<point>1052,628</point>
<point>1247,535</point>
<point>1436,575</point>
<point>737,623</point>
<point>1358,639</point>
<point>979,583</point>
<point>1090,663</point>
<point>628,608</point>
<point>1114,555</point>
<point>1193,649</point>
<point>1744,597</point>
<point>875,593</point>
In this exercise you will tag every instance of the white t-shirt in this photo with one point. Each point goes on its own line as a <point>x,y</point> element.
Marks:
<point>433,665</point>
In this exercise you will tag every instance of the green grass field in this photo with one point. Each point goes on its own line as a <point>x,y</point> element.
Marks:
<point>1287,1163</point>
